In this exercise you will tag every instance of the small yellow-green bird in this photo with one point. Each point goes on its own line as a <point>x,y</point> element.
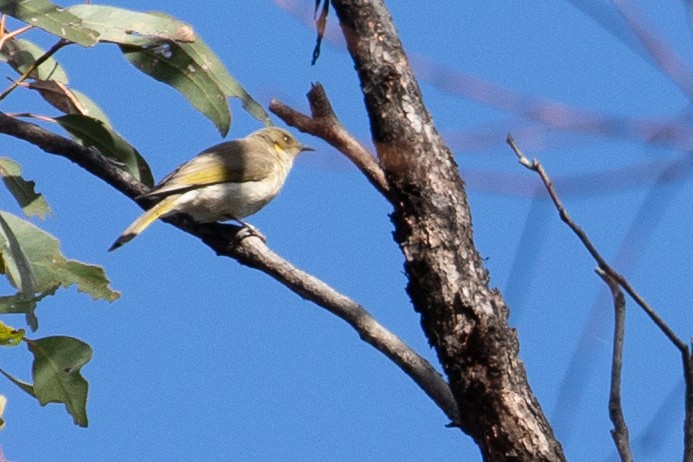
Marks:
<point>229,181</point>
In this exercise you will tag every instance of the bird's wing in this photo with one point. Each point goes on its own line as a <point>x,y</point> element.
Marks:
<point>224,163</point>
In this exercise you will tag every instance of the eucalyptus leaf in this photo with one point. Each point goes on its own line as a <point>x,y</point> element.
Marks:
<point>208,60</point>
<point>68,100</point>
<point>93,132</point>
<point>31,202</point>
<point>51,18</point>
<point>171,64</point>
<point>26,387</point>
<point>17,266</point>
<point>21,54</point>
<point>57,374</point>
<point>33,263</point>
<point>92,109</point>
<point>126,27</point>
<point>58,95</point>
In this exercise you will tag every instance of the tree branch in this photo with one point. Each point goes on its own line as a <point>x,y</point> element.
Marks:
<point>252,252</point>
<point>620,431</point>
<point>87,158</point>
<point>324,124</point>
<point>535,166</point>
<point>613,275</point>
<point>35,65</point>
<point>463,318</point>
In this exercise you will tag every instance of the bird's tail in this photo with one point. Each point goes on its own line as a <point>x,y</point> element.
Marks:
<point>144,220</point>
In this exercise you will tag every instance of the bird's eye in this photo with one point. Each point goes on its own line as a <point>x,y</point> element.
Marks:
<point>285,138</point>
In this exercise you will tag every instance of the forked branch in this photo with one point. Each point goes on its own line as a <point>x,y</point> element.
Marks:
<point>324,124</point>
<point>620,431</point>
<point>617,278</point>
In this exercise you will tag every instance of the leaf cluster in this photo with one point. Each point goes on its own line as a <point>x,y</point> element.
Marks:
<point>161,47</point>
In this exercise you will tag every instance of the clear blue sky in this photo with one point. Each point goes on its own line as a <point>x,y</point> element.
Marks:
<point>203,359</point>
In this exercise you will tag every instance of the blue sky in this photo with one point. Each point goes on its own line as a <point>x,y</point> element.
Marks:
<point>204,359</point>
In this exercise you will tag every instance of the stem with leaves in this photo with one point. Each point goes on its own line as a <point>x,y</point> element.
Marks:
<point>35,65</point>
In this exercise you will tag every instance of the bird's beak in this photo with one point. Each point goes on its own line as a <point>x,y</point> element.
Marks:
<point>306,148</point>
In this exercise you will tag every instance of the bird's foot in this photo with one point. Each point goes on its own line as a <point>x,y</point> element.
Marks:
<point>246,231</point>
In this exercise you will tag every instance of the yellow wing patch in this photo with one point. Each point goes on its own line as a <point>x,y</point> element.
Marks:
<point>210,174</point>
<point>224,163</point>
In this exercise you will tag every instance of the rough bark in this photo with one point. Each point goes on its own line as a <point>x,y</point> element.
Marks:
<point>464,319</point>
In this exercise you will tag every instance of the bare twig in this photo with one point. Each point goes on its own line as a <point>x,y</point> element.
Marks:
<point>253,253</point>
<point>682,346</point>
<point>537,167</point>
<point>324,124</point>
<point>620,431</point>
<point>10,35</point>
<point>30,70</point>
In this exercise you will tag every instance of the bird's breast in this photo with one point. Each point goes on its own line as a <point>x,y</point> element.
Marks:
<point>226,201</point>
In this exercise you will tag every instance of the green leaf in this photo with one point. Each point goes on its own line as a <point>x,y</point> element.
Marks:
<point>21,303</point>
<point>207,60</point>
<point>21,54</point>
<point>51,18</point>
<point>130,27</point>
<point>171,64</point>
<point>68,100</point>
<point>51,267</point>
<point>19,272</point>
<point>196,72</point>
<point>27,387</point>
<point>9,336</point>
<point>56,373</point>
<point>17,266</point>
<point>92,132</point>
<point>32,203</point>
<point>32,260</point>
<point>89,279</point>
<point>93,110</point>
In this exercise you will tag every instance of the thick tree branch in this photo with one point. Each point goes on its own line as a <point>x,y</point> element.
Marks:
<point>252,252</point>
<point>89,159</point>
<point>464,319</point>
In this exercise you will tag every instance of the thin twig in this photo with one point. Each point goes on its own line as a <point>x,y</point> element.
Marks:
<point>324,124</point>
<point>682,346</point>
<point>40,117</point>
<point>13,34</point>
<point>620,431</point>
<point>40,60</point>
<point>601,262</point>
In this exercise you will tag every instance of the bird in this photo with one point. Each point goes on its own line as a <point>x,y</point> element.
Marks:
<point>228,181</point>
